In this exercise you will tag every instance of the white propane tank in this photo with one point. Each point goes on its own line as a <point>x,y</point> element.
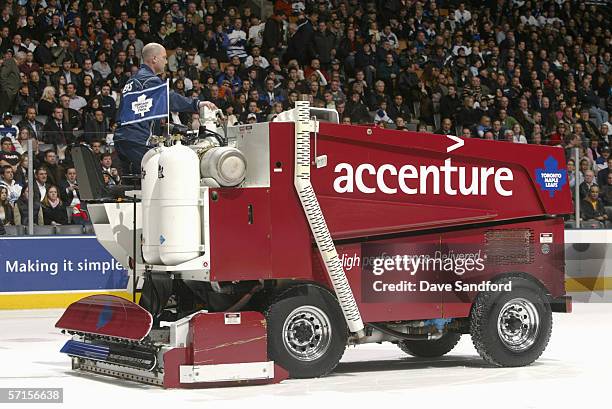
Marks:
<point>226,165</point>
<point>179,189</point>
<point>150,208</point>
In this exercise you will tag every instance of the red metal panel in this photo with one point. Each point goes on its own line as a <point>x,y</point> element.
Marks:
<point>361,217</point>
<point>215,340</point>
<point>386,306</point>
<point>176,357</point>
<point>283,248</point>
<point>227,338</point>
<point>353,145</point>
<point>291,240</point>
<point>107,315</point>
<point>240,250</point>
<point>547,266</point>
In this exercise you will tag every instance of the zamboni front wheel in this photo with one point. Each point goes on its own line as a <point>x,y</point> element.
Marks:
<point>430,349</point>
<point>511,328</point>
<point>307,333</point>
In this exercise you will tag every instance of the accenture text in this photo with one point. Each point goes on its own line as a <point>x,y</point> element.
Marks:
<point>421,177</point>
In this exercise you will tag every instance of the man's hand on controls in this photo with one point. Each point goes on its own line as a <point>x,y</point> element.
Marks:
<point>208,105</point>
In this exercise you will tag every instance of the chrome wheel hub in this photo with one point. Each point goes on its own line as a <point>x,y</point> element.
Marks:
<point>307,333</point>
<point>518,324</point>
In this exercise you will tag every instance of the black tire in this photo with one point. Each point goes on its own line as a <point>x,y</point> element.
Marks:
<point>430,349</point>
<point>526,299</point>
<point>301,311</point>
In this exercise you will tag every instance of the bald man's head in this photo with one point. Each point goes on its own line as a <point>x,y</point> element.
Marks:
<point>154,55</point>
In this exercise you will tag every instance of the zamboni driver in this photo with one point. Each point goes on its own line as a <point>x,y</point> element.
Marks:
<point>131,139</point>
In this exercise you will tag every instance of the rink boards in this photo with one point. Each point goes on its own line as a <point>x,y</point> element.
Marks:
<point>54,271</point>
<point>588,264</point>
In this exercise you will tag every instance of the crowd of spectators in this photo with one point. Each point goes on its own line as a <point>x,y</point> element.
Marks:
<point>519,71</point>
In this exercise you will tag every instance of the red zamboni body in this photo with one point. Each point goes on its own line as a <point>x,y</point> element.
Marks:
<point>338,235</point>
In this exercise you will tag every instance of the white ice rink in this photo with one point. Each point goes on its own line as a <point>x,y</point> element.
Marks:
<point>574,372</point>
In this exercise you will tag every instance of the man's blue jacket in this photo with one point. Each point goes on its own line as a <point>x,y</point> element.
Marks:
<point>141,131</point>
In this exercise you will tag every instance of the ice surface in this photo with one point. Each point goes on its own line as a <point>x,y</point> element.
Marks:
<point>575,371</point>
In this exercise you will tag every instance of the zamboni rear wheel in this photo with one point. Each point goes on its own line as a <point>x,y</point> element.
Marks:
<point>307,333</point>
<point>430,349</point>
<point>511,328</point>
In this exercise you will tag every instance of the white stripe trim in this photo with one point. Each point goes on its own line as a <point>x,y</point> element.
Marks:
<point>226,372</point>
<point>588,236</point>
<point>145,90</point>
<point>84,236</point>
<point>102,290</point>
<point>145,119</point>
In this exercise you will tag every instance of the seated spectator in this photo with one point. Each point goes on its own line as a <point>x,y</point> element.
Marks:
<point>519,135</point>
<point>571,176</point>
<point>69,188</point>
<point>356,110</point>
<point>7,180</point>
<point>30,122</point>
<point>483,126</point>
<point>54,210</point>
<point>381,114</point>
<point>72,117</point>
<point>96,127</point>
<point>56,131</point>
<point>589,128</point>
<point>21,209</point>
<point>107,102</point>
<point>8,130</point>
<point>604,133</point>
<point>41,183</point>
<point>55,172</point>
<point>400,124</point>
<point>602,175</point>
<point>96,148</point>
<point>86,89</point>
<point>592,210</point>
<point>47,102</point>
<point>77,102</point>
<point>602,160</point>
<point>7,216</point>
<point>24,99</point>
<point>446,127</point>
<point>7,153</point>
<point>106,162</point>
<point>108,181</point>
<point>251,118</point>
<point>606,192</point>
<point>21,174</point>
<point>398,108</point>
<point>101,66</point>
<point>589,181</point>
<point>498,130</point>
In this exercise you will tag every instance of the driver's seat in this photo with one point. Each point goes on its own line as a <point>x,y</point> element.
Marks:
<point>91,180</point>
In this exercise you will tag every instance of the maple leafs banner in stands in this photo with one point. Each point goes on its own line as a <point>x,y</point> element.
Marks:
<point>144,105</point>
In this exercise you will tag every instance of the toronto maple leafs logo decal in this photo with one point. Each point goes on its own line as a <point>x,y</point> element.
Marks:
<point>142,105</point>
<point>551,178</point>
